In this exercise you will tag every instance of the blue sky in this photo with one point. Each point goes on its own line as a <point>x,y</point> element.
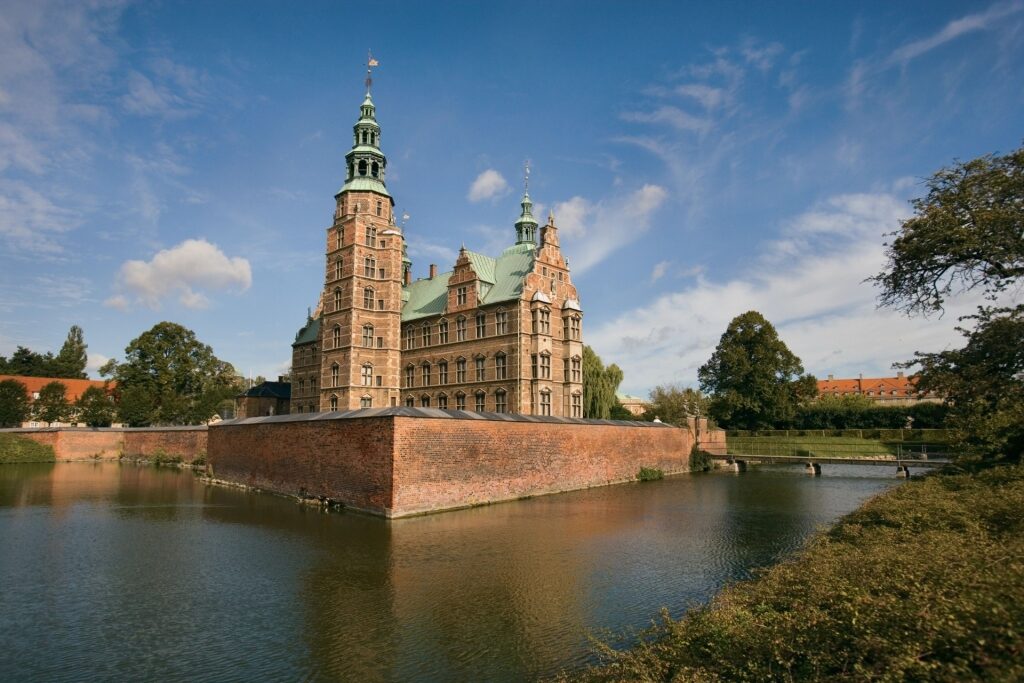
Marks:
<point>177,161</point>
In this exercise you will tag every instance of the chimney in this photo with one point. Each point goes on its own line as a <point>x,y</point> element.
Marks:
<point>899,375</point>
<point>830,378</point>
<point>433,270</point>
<point>408,277</point>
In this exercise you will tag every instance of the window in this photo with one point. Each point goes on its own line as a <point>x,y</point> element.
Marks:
<point>334,402</point>
<point>460,329</point>
<point>501,322</point>
<point>545,321</point>
<point>362,167</point>
<point>335,373</point>
<point>300,409</point>
<point>380,380</point>
<point>460,296</point>
<point>481,325</point>
<point>302,385</point>
<point>574,326</point>
<point>425,401</point>
<point>460,370</point>
<point>380,206</point>
<point>545,365</point>
<point>533,366</point>
<point>577,405</point>
<point>409,371</point>
<point>368,336</point>
<point>442,372</point>
<point>366,402</point>
<point>367,375</point>
<point>410,402</point>
<point>408,337</point>
<point>500,404</point>
<point>336,336</point>
<point>480,396</point>
<point>369,266</point>
<point>442,402</point>
<point>380,304</point>
<point>337,269</point>
<point>312,385</point>
<point>577,372</point>
<point>479,368</point>
<point>380,342</point>
<point>460,401</point>
<point>545,402</point>
<point>426,374</point>
<point>442,332</point>
<point>337,299</point>
<point>371,233</point>
<point>368,298</point>
<point>375,170</point>
<point>426,335</point>
<point>500,367</point>
<point>339,237</point>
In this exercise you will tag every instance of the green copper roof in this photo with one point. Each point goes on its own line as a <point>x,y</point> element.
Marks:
<point>308,334</point>
<point>365,184</point>
<point>501,279</point>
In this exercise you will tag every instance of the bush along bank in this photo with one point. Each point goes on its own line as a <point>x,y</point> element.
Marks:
<point>924,582</point>
<point>18,449</point>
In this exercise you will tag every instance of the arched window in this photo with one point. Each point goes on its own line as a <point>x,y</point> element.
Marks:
<point>337,299</point>
<point>340,235</point>
<point>500,366</point>
<point>425,373</point>
<point>442,402</point>
<point>577,369</point>
<point>366,402</point>
<point>425,401</point>
<point>500,401</point>
<point>337,268</point>
<point>442,372</point>
<point>368,298</point>
<point>410,402</point>
<point>366,373</point>
<point>336,336</point>
<point>362,167</point>
<point>442,332</point>
<point>334,402</point>
<point>371,234</point>
<point>460,401</point>
<point>410,371</point>
<point>335,374</point>
<point>368,336</point>
<point>460,370</point>
<point>375,169</point>
<point>481,398</point>
<point>426,334</point>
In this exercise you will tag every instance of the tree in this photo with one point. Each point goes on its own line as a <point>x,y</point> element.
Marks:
<point>14,406</point>
<point>72,357</point>
<point>673,403</point>
<point>25,362</point>
<point>755,380</point>
<point>52,404</point>
<point>599,385</point>
<point>170,377</point>
<point>967,234</point>
<point>95,408</point>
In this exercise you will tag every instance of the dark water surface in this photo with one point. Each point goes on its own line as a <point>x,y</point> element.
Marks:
<point>121,572</point>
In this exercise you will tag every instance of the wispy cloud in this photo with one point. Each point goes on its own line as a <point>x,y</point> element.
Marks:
<point>30,222</point>
<point>970,23</point>
<point>488,185</point>
<point>659,270</point>
<point>673,116</point>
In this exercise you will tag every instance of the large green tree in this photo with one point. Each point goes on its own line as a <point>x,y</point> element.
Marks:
<point>755,380</point>
<point>52,404</point>
<point>14,405</point>
<point>95,408</point>
<point>72,357</point>
<point>967,234</point>
<point>599,385</point>
<point>70,362</point>
<point>170,377</point>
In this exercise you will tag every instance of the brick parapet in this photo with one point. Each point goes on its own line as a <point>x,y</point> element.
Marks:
<point>78,443</point>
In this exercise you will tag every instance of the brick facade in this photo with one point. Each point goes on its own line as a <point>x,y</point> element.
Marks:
<point>70,443</point>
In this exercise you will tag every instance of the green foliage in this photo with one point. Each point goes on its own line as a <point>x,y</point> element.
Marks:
<point>619,412</point>
<point>858,412</point>
<point>649,474</point>
<point>700,460</point>
<point>14,406</point>
<point>162,457</point>
<point>170,377</point>
<point>599,385</point>
<point>674,403</point>
<point>15,449</point>
<point>95,408</point>
<point>925,582</point>
<point>69,363</point>
<point>52,404</point>
<point>754,379</point>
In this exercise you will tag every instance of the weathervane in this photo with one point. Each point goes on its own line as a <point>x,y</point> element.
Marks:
<point>526,176</point>
<point>370,63</point>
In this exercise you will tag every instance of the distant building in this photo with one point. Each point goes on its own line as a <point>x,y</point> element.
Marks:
<point>634,404</point>
<point>899,390</point>
<point>74,389</point>
<point>266,398</point>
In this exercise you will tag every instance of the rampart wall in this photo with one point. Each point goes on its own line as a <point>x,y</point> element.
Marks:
<point>77,443</point>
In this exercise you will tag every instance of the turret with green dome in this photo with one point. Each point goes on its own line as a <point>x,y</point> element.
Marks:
<point>365,163</point>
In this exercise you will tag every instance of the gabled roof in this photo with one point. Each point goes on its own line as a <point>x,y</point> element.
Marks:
<point>501,279</point>
<point>282,390</point>
<point>75,387</point>
<point>904,386</point>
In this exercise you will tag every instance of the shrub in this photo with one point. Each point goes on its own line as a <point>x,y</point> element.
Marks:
<point>15,448</point>
<point>700,460</point>
<point>649,474</point>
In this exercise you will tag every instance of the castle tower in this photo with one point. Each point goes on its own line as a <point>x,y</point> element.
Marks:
<point>360,332</point>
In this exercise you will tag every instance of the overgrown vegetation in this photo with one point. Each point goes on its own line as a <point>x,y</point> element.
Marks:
<point>925,582</point>
<point>161,457</point>
<point>700,460</point>
<point>599,386</point>
<point>15,448</point>
<point>14,403</point>
<point>860,412</point>
<point>649,474</point>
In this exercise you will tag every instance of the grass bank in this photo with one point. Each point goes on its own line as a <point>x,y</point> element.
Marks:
<point>924,582</point>
<point>14,448</point>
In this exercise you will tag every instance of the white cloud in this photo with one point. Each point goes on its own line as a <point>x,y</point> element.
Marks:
<point>594,229</point>
<point>659,270</point>
<point>673,116</point>
<point>95,362</point>
<point>809,284</point>
<point>488,185</point>
<point>762,57</point>
<point>708,96</point>
<point>30,222</point>
<point>954,29</point>
<point>177,271</point>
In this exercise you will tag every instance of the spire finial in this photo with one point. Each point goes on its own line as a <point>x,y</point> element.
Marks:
<point>526,176</point>
<point>370,63</point>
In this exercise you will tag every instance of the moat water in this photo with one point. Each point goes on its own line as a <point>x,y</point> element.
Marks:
<point>122,572</point>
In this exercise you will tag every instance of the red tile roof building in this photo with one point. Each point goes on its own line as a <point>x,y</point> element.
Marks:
<point>74,389</point>
<point>898,390</point>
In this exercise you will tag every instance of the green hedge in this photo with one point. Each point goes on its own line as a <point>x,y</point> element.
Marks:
<point>923,583</point>
<point>14,448</point>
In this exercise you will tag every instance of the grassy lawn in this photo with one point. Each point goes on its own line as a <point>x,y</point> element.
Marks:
<point>14,448</point>
<point>824,446</point>
<point>924,583</point>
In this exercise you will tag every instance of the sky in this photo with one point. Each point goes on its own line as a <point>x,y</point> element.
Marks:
<point>178,161</point>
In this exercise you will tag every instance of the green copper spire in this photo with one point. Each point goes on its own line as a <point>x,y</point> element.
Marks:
<point>365,162</point>
<point>526,226</point>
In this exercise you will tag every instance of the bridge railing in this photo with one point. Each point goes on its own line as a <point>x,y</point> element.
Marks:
<point>833,447</point>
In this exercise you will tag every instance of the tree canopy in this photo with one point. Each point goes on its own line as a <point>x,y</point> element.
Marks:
<point>52,404</point>
<point>70,361</point>
<point>95,408</point>
<point>673,403</point>
<point>754,379</point>
<point>14,406</point>
<point>170,377</point>
<point>599,385</point>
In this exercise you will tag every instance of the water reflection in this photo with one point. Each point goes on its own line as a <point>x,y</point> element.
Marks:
<point>132,572</point>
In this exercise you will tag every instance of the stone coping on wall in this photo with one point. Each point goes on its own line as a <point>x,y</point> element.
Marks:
<point>436,413</point>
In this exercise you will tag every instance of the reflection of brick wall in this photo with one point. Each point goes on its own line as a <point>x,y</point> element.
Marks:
<point>71,443</point>
<point>397,465</point>
<point>184,442</point>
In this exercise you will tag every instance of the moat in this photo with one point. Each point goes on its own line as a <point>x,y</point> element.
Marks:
<point>123,572</point>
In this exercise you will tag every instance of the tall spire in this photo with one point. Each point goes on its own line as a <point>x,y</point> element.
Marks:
<point>365,162</point>
<point>526,226</point>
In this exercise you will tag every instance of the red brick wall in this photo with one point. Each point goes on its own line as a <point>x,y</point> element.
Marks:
<point>398,466</point>
<point>187,444</point>
<point>76,444</point>
<point>346,460</point>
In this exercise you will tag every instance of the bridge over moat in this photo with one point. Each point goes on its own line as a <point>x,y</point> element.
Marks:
<point>738,462</point>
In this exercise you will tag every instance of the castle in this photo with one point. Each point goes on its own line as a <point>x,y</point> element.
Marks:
<point>500,335</point>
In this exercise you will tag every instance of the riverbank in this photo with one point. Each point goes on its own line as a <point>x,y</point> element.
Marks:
<point>924,582</point>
